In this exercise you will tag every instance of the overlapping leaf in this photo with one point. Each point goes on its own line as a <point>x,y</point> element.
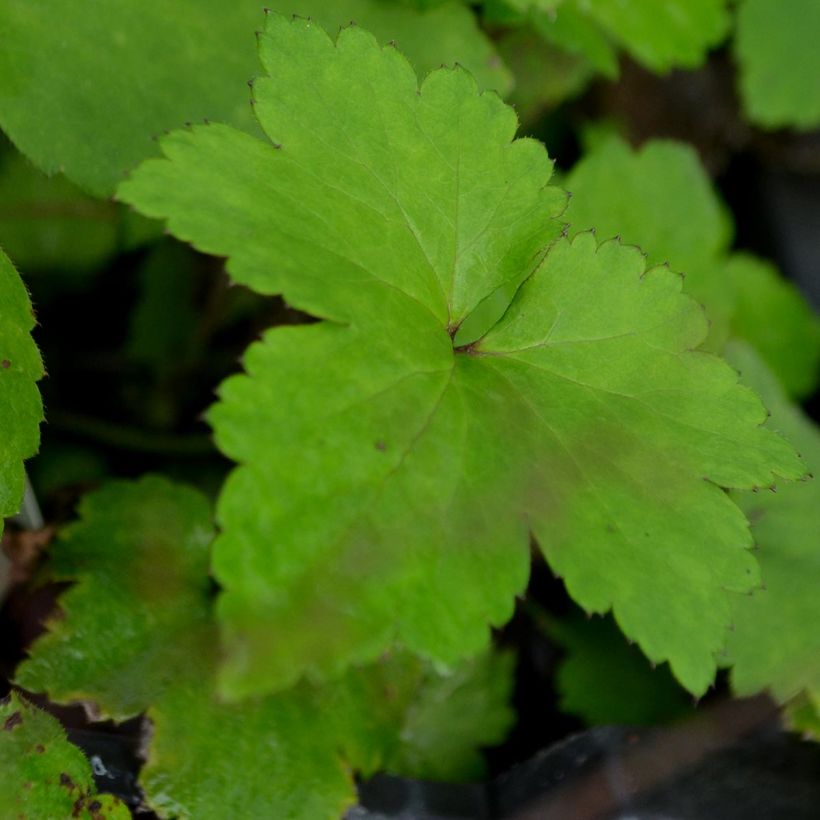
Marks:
<point>136,635</point>
<point>109,75</point>
<point>604,680</point>
<point>291,755</point>
<point>21,409</point>
<point>544,74</point>
<point>430,34</point>
<point>776,48</point>
<point>660,36</point>
<point>49,223</point>
<point>139,609</point>
<point>45,776</point>
<point>803,715</point>
<point>406,718</point>
<point>390,473</point>
<point>661,199</point>
<point>775,644</point>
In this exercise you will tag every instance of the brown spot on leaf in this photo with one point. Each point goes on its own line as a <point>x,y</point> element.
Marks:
<point>11,721</point>
<point>380,445</point>
<point>94,806</point>
<point>6,364</point>
<point>39,748</point>
<point>66,781</point>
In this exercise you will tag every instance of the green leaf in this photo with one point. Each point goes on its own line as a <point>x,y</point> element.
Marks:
<point>21,409</point>
<point>772,315</point>
<point>661,199</point>
<point>275,757</point>
<point>397,716</point>
<point>660,36</point>
<point>776,50</point>
<point>658,197</point>
<point>139,556</point>
<point>48,223</point>
<point>402,716</point>
<point>136,635</point>
<point>533,5</point>
<point>45,776</point>
<point>390,474</point>
<point>108,75</point>
<point>451,716</point>
<point>570,28</point>
<point>164,65</point>
<point>803,715</point>
<point>545,75</point>
<point>446,33</point>
<point>604,680</point>
<point>775,644</point>
<point>163,330</point>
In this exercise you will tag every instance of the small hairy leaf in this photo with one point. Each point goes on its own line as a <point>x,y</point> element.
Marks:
<point>396,456</point>
<point>45,776</point>
<point>776,643</point>
<point>661,199</point>
<point>776,49</point>
<point>139,559</point>
<point>21,409</point>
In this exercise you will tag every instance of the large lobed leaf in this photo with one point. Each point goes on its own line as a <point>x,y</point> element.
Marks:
<point>660,198</point>
<point>43,775</point>
<point>390,474</point>
<point>775,644</point>
<point>136,635</point>
<point>107,76</point>
<point>21,409</point>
